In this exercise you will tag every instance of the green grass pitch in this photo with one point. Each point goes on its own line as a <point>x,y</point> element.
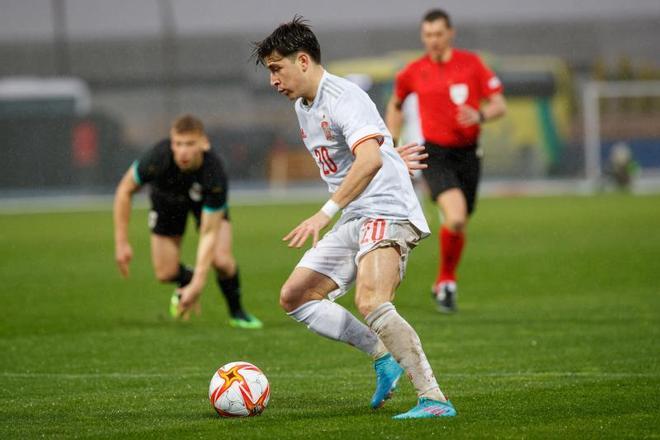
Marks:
<point>558,334</point>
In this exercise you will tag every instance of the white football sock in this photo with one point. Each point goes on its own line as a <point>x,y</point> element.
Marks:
<point>333,321</point>
<point>404,344</point>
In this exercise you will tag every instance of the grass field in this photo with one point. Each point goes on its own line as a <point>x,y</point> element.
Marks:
<point>557,336</point>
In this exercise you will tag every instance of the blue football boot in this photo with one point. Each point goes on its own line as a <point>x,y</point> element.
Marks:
<point>427,408</point>
<point>388,372</point>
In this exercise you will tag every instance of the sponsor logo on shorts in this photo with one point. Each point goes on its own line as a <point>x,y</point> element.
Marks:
<point>152,219</point>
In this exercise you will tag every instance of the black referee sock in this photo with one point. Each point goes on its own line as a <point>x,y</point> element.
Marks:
<point>231,288</point>
<point>184,276</point>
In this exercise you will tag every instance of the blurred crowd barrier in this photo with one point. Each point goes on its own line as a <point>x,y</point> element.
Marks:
<point>123,95</point>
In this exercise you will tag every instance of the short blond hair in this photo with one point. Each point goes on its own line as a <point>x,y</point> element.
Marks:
<point>188,124</point>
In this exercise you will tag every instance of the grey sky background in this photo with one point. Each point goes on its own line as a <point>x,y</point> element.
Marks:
<point>91,19</point>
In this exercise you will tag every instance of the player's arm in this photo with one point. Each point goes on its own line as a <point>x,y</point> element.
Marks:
<point>394,117</point>
<point>367,164</point>
<point>208,234</point>
<point>403,86</point>
<point>493,108</point>
<point>413,154</point>
<point>121,215</point>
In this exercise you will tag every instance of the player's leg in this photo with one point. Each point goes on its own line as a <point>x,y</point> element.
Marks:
<point>304,298</point>
<point>451,240</point>
<point>167,222</point>
<point>165,257</point>
<point>453,205</point>
<point>327,271</point>
<point>388,370</point>
<point>165,254</point>
<point>228,279</point>
<point>378,276</point>
<point>379,273</point>
<point>444,184</point>
<point>456,205</point>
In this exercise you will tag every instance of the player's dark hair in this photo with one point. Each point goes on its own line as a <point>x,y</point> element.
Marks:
<point>188,124</point>
<point>288,39</point>
<point>437,14</point>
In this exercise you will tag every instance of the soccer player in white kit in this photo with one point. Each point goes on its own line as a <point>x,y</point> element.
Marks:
<point>380,223</point>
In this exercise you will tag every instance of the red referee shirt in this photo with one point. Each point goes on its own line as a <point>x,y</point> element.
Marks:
<point>441,87</point>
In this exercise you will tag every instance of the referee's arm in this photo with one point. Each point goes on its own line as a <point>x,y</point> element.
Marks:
<point>494,108</point>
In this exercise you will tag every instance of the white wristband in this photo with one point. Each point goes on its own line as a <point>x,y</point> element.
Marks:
<point>330,208</point>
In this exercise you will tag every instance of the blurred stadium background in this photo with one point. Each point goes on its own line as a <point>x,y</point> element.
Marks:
<point>559,306</point>
<point>85,85</point>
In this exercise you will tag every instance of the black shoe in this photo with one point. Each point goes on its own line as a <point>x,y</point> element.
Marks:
<point>445,294</point>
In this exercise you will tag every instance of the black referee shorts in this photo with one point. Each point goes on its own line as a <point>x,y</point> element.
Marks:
<point>453,168</point>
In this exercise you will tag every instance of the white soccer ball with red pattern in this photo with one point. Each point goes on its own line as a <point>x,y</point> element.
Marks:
<point>239,389</point>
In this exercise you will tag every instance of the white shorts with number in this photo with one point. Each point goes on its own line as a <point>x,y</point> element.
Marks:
<point>338,253</point>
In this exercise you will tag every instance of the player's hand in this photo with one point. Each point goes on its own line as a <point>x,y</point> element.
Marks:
<point>467,116</point>
<point>413,155</point>
<point>123,257</point>
<point>189,301</point>
<point>312,226</point>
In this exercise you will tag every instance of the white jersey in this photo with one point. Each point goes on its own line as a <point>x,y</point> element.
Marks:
<point>341,117</point>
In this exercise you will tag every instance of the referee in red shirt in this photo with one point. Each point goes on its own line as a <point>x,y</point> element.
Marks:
<point>457,93</point>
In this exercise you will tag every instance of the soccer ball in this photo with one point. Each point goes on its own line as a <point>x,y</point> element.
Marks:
<point>239,389</point>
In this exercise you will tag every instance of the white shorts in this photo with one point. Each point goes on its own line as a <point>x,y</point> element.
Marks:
<point>338,253</point>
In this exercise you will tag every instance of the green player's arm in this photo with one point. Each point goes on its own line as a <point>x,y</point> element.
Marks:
<point>121,213</point>
<point>122,205</point>
<point>208,234</point>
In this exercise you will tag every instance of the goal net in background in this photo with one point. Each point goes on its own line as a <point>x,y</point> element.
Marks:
<point>621,122</point>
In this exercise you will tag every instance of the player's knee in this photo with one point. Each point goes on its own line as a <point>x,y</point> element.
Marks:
<point>166,274</point>
<point>366,304</point>
<point>366,300</point>
<point>225,265</point>
<point>290,297</point>
<point>456,224</point>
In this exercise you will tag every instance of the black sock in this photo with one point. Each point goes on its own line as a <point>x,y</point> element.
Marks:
<point>231,288</point>
<point>184,276</point>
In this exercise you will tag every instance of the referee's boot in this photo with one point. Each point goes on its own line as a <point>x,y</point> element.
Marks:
<point>445,293</point>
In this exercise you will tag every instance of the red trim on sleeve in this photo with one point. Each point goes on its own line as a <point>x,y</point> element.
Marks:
<point>379,138</point>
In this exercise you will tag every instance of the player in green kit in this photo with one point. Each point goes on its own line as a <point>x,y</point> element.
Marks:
<point>185,177</point>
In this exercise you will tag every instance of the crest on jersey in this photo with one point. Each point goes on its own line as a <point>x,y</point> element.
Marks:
<point>195,192</point>
<point>326,130</point>
<point>459,93</point>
